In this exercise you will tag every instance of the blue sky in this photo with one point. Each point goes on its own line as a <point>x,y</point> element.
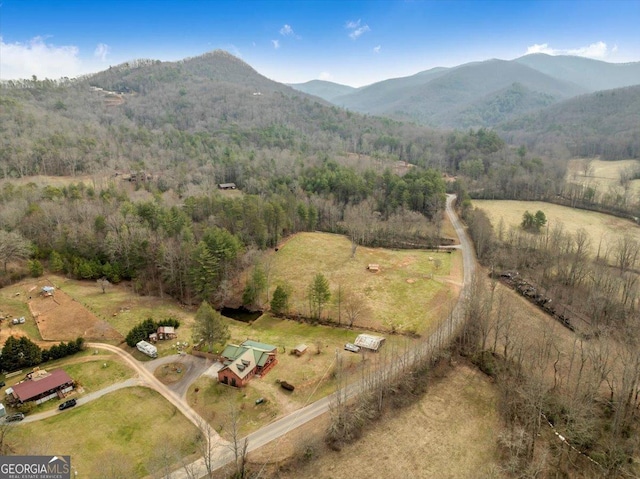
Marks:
<point>350,42</point>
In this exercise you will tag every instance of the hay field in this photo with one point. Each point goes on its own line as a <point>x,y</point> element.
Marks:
<point>601,174</point>
<point>598,225</point>
<point>411,292</point>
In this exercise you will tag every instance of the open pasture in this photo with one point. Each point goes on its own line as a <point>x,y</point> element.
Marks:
<point>60,317</point>
<point>599,226</point>
<point>412,290</point>
<point>603,175</point>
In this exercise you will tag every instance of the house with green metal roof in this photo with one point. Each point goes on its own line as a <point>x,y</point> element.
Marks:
<point>243,362</point>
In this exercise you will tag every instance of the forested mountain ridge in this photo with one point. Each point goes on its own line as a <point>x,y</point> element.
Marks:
<point>593,75</point>
<point>211,110</point>
<point>439,98</point>
<point>323,89</point>
<point>483,94</point>
<point>605,123</point>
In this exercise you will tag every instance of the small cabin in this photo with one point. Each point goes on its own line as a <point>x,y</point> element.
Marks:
<point>374,268</point>
<point>227,186</point>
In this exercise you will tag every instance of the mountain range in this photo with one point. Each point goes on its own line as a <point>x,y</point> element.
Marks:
<point>480,94</point>
<point>216,109</point>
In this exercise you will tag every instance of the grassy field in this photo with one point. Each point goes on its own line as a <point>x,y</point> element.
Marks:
<point>215,402</point>
<point>129,429</point>
<point>598,225</point>
<point>451,432</point>
<point>404,295</point>
<point>601,174</point>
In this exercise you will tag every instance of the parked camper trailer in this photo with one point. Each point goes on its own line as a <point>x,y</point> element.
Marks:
<point>147,348</point>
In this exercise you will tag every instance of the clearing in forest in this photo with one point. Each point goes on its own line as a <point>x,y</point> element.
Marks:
<point>61,318</point>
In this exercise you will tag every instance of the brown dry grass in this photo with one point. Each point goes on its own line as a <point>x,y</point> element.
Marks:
<point>598,225</point>
<point>603,175</point>
<point>60,317</point>
<point>450,433</point>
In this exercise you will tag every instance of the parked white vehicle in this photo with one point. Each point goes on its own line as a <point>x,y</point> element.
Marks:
<point>147,348</point>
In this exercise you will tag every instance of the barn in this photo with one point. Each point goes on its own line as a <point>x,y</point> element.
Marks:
<point>41,386</point>
<point>243,362</point>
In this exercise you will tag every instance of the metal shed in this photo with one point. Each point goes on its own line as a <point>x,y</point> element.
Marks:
<point>369,341</point>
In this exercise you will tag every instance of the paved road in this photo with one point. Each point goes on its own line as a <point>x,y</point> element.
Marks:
<point>85,399</point>
<point>441,336</point>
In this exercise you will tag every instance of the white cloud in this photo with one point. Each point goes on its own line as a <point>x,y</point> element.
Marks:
<point>595,50</point>
<point>286,30</point>
<point>22,60</point>
<point>377,49</point>
<point>356,29</point>
<point>276,44</point>
<point>325,76</point>
<point>101,51</point>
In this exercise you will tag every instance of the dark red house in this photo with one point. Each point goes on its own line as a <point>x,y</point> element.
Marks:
<point>243,362</point>
<point>43,386</point>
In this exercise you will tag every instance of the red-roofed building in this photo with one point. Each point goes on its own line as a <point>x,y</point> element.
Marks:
<point>54,384</point>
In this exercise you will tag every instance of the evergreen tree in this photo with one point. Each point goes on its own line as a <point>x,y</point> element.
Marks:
<point>204,272</point>
<point>20,353</point>
<point>209,326</point>
<point>255,286</point>
<point>35,268</point>
<point>319,293</point>
<point>280,300</point>
<point>56,264</point>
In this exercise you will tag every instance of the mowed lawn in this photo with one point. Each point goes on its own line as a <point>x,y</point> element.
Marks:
<point>128,429</point>
<point>598,225</point>
<point>91,373</point>
<point>407,293</point>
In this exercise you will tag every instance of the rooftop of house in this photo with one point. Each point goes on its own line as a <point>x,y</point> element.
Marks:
<point>31,388</point>
<point>260,351</point>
